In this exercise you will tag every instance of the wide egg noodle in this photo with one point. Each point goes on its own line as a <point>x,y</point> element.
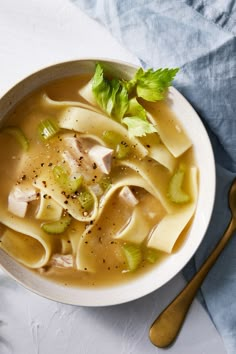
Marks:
<point>73,235</point>
<point>166,233</point>
<point>85,260</point>
<point>92,137</point>
<point>155,175</point>
<point>48,208</point>
<point>137,228</point>
<point>50,103</point>
<point>88,122</point>
<point>25,241</point>
<point>46,183</point>
<point>162,155</point>
<point>87,93</point>
<point>158,151</point>
<point>171,134</point>
<point>65,245</point>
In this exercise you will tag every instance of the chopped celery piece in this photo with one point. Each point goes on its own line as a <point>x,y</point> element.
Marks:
<point>105,183</point>
<point>57,227</point>
<point>175,191</point>
<point>74,183</point>
<point>116,142</point>
<point>133,255</point>
<point>122,150</point>
<point>69,184</point>
<point>18,134</point>
<point>60,175</point>
<point>151,255</point>
<point>47,129</point>
<point>86,200</point>
<point>111,138</point>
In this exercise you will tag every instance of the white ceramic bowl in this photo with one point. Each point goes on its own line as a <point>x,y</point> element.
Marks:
<point>161,274</point>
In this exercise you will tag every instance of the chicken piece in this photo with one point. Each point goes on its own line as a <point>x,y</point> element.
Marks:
<point>62,260</point>
<point>24,193</point>
<point>17,207</point>
<point>74,145</point>
<point>72,163</point>
<point>78,167</point>
<point>76,158</point>
<point>19,197</point>
<point>128,196</point>
<point>102,157</point>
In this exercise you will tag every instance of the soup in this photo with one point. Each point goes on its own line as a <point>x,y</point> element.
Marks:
<point>98,183</point>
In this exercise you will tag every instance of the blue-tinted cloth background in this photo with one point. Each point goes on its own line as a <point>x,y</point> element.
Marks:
<point>199,37</point>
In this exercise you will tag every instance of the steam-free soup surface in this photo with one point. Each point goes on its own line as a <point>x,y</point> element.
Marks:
<point>85,218</point>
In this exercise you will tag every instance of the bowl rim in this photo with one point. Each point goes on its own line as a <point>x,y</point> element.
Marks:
<point>142,290</point>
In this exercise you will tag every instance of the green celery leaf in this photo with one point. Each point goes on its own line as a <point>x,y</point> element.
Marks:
<point>175,191</point>
<point>111,95</point>
<point>118,98</point>
<point>101,88</point>
<point>138,126</point>
<point>152,85</point>
<point>111,98</point>
<point>135,109</point>
<point>121,103</point>
<point>130,85</point>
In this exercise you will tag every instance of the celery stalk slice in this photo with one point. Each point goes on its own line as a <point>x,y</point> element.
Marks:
<point>133,255</point>
<point>57,227</point>
<point>105,183</point>
<point>122,150</point>
<point>111,138</point>
<point>69,184</point>
<point>60,175</point>
<point>116,142</point>
<point>175,191</point>
<point>86,200</point>
<point>151,255</point>
<point>18,134</point>
<point>47,129</point>
<point>74,183</point>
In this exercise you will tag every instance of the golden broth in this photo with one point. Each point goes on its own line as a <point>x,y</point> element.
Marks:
<point>101,245</point>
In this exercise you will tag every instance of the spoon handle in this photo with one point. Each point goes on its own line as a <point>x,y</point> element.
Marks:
<point>166,327</point>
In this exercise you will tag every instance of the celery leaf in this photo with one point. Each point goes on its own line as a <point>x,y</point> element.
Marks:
<point>100,87</point>
<point>138,126</point>
<point>118,98</point>
<point>135,109</point>
<point>111,95</point>
<point>152,85</point>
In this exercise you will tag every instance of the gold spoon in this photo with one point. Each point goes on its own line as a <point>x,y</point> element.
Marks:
<point>166,327</point>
